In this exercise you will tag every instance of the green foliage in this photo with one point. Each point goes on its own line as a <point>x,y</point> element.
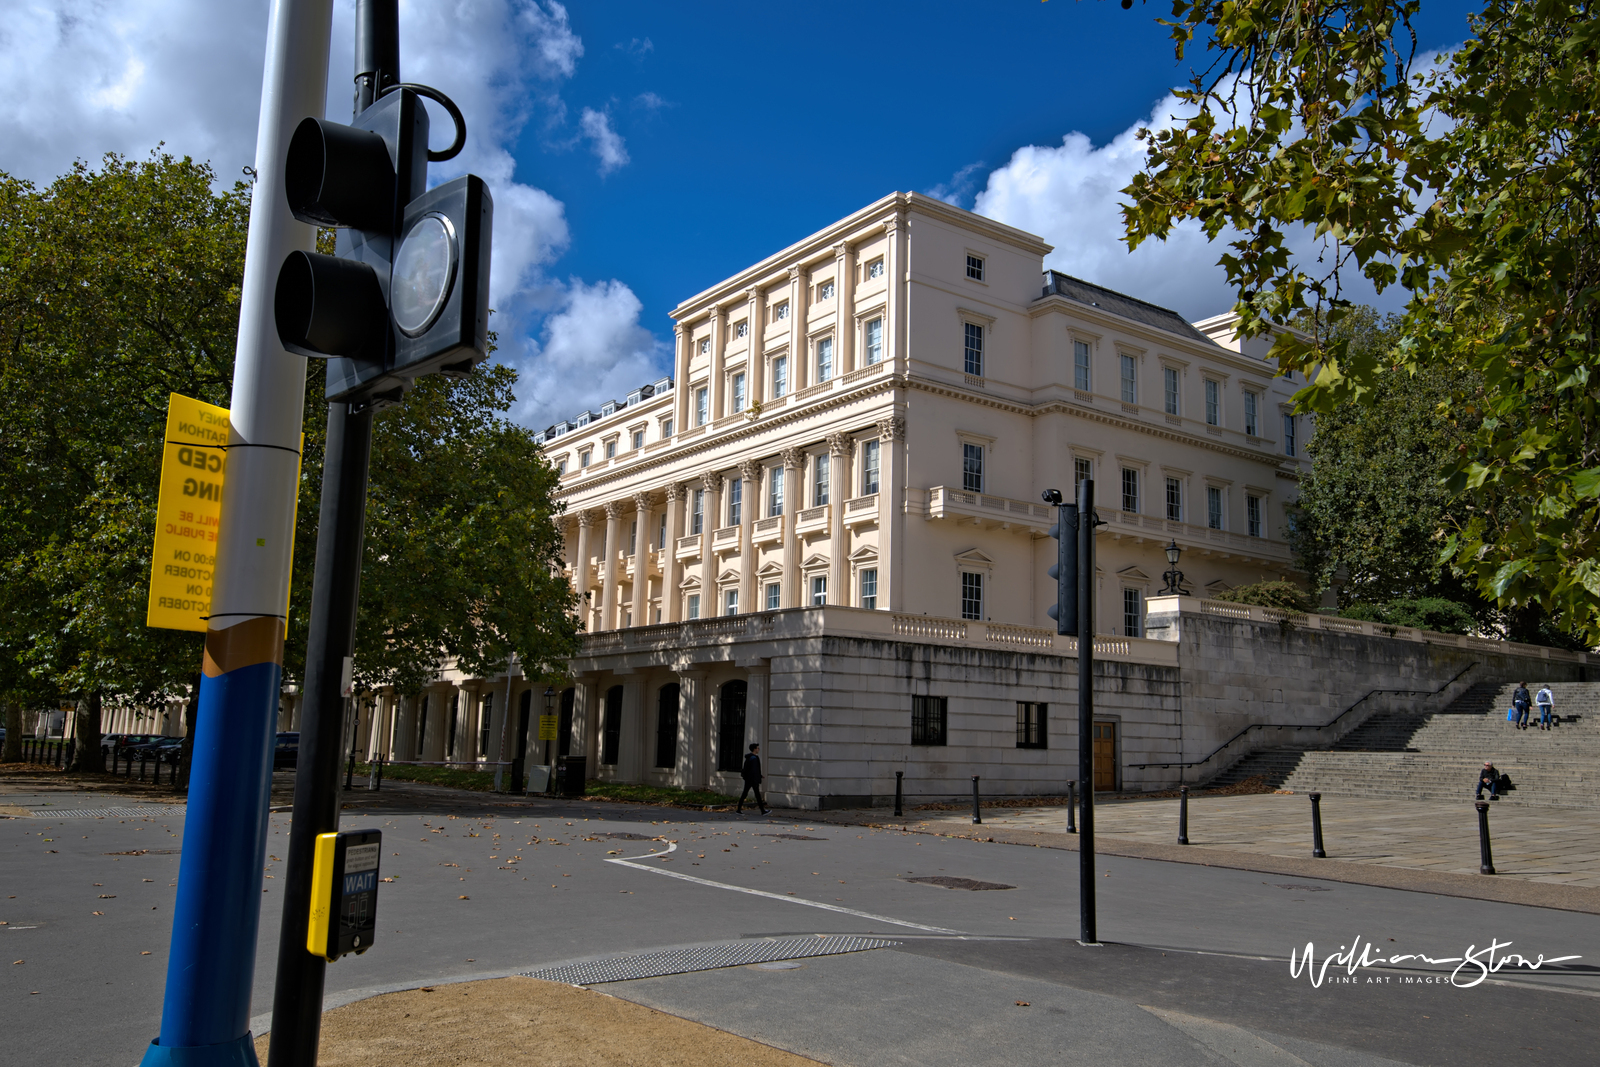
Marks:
<point>1424,613</point>
<point>660,795</point>
<point>1274,594</point>
<point>1474,186</point>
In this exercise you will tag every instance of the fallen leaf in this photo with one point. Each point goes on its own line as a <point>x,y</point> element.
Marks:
<point>1023,1004</point>
<point>15,962</point>
<point>144,953</point>
<point>108,896</point>
<point>463,897</point>
<point>99,913</point>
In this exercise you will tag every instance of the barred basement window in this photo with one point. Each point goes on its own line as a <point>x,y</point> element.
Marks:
<point>1031,732</point>
<point>928,716</point>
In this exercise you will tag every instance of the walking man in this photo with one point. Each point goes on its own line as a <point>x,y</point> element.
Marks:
<point>1547,707</point>
<point>1488,778</point>
<point>1521,702</point>
<point>751,773</point>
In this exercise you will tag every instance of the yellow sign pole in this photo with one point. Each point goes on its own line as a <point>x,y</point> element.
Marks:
<point>193,465</point>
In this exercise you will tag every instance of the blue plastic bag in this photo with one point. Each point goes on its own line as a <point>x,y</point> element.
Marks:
<point>1511,715</point>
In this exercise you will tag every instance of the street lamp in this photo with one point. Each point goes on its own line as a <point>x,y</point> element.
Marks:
<point>1173,577</point>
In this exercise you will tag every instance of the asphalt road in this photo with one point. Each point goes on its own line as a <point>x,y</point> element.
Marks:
<point>1195,967</point>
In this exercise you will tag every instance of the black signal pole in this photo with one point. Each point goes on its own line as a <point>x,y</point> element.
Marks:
<point>1086,886</point>
<point>336,587</point>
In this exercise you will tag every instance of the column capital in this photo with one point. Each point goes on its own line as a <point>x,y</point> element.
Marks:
<point>794,274</point>
<point>750,470</point>
<point>793,459</point>
<point>642,501</point>
<point>892,428</point>
<point>677,329</point>
<point>841,444</point>
<point>585,519</point>
<point>613,510</point>
<point>893,223</point>
<point>674,491</point>
<point>711,481</point>
<point>839,249</point>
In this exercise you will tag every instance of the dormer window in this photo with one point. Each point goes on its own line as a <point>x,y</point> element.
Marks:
<point>583,420</point>
<point>608,409</point>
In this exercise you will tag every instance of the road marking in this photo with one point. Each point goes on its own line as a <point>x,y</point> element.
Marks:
<point>634,863</point>
<point>1232,1043</point>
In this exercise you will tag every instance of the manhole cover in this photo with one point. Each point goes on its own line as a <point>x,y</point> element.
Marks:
<point>947,882</point>
<point>793,837</point>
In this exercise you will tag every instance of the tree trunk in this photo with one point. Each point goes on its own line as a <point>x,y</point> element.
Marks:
<point>191,709</point>
<point>13,749</point>
<point>87,755</point>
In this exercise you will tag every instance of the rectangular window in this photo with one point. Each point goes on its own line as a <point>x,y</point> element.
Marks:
<point>1082,470</point>
<point>974,362</point>
<point>738,392</point>
<point>1132,613</point>
<point>561,468</point>
<point>928,716</point>
<point>702,406</point>
<point>705,346</point>
<point>874,341</point>
<point>1253,518</point>
<point>1130,489</point>
<point>869,468</point>
<point>741,329</point>
<point>666,428</point>
<point>735,501</point>
<point>1288,435</point>
<point>1174,499</point>
<point>775,492</point>
<point>485,724</point>
<point>633,537</point>
<point>824,359</point>
<point>774,596</point>
<point>780,312</point>
<point>780,377</point>
<point>638,440</point>
<point>693,611</point>
<point>975,268</point>
<point>697,514</point>
<point>1031,732</point>
<point>1213,403</point>
<point>611,450</point>
<point>819,480</point>
<point>819,591</point>
<point>730,601</point>
<point>971,595</point>
<point>1130,380</point>
<point>661,533</point>
<point>1169,384</point>
<point>1081,379</point>
<point>972,468</point>
<point>1252,417</point>
<point>875,268</point>
<point>869,588</point>
<point>585,458</point>
<point>824,291</point>
<point>1213,507</point>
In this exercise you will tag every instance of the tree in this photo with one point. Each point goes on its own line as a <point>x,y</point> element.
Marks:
<point>1471,183</point>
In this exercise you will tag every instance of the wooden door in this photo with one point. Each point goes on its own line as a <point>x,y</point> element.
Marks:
<point>1105,756</point>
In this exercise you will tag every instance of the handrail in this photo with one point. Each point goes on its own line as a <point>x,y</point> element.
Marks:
<point>1305,726</point>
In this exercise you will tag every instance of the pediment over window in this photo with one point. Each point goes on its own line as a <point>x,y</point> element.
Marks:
<point>771,570</point>
<point>864,554</point>
<point>974,557</point>
<point>1217,586</point>
<point>691,582</point>
<point>727,576</point>
<point>1133,574</point>
<point>814,561</point>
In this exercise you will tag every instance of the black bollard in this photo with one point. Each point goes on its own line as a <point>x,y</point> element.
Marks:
<point>1072,806</point>
<point>1316,827</point>
<point>1183,815</point>
<point>977,814</point>
<point>350,769</point>
<point>899,793</point>
<point>1485,858</point>
<point>380,773</point>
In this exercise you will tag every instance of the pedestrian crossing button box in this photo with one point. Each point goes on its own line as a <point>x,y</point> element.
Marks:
<point>344,893</point>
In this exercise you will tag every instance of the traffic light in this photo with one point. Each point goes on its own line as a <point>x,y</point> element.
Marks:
<point>408,292</point>
<point>1065,569</point>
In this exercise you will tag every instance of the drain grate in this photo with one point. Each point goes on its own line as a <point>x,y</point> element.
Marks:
<point>947,882</point>
<point>109,813</point>
<point>704,958</point>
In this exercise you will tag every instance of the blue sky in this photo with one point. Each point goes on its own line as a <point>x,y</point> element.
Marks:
<point>641,151</point>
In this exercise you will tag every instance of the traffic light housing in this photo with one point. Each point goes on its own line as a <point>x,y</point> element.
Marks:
<point>408,292</point>
<point>1065,570</point>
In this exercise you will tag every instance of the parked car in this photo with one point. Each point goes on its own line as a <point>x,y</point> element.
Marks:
<point>121,743</point>
<point>161,750</point>
<point>287,751</point>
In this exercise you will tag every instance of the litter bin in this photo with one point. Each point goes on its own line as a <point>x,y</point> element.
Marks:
<point>570,776</point>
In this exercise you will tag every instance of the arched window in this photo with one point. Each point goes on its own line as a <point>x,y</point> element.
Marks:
<point>667,725</point>
<point>564,723</point>
<point>730,728</point>
<point>611,730</point>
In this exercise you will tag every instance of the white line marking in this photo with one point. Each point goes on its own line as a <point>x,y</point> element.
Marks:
<point>672,847</point>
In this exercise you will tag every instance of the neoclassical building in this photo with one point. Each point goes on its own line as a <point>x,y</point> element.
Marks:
<point>851,448</point>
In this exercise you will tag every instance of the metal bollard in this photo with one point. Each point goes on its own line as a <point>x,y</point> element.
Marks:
<point>1316,827</point>
<point>1072,806</point>
<point>350,769</point>
<point>372,773</point>
<point>1183,815</point>
<point>1485,858</point>
<point>977,814</point>
<point>381,762</point>
<point>899,793</point>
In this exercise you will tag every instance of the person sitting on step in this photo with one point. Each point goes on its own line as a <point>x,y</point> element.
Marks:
<point>1488,778</point>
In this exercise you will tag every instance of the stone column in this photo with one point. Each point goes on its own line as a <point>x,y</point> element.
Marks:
<point>756,714</point>
<point>641,558</point>
<point>719,345</point>
<point>586,720</point>
<point>750,472</point>
<point>682,356</point>
<point>671,600</point>
<point>755,356</point>
<point>608,566</point>
<point>895,267</point>
<point>844,297</point>
<point>711,504</point>
<point>793,464</point>
<point>691,769</point>
<point>634,756</point>
<point>841,449</point>
<point>437,736</point>
<point>891,512</point>
<point>405,728</point>
<point>580,566</point>
<point>797,330</point>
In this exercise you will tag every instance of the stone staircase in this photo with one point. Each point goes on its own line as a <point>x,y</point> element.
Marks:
<point>1437,755</point>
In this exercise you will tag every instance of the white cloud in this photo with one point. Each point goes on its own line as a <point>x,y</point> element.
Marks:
<point>605,141</point>
<point>959,187</point>
<point>592,349</point>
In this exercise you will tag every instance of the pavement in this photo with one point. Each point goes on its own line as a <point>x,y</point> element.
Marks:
<point>1193,963</point>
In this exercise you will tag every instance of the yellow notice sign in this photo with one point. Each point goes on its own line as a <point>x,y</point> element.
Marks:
<point>192,468</point>
<point>547,727</point>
